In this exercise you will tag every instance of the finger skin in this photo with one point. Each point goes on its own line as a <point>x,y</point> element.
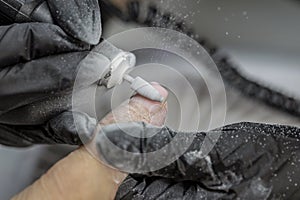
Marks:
<point>140,108</point>
<point>80,175</point>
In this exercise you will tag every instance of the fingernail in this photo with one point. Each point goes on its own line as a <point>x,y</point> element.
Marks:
<point>155,108</point>
<point>154,83</point>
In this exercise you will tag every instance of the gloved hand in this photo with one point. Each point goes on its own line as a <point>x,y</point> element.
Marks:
<point>38,66</point>
<point>249,161</point>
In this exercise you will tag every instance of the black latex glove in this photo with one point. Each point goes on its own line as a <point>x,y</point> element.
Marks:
<point>249,161</point>
<point>38,65</point>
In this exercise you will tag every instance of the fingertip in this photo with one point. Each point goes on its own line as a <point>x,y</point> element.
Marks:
<point>79,18</point>
<point>162,91</point>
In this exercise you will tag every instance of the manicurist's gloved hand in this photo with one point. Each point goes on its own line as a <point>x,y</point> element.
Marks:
<point>80,175</point>
<point>38,66</point>
<point>249,161</point>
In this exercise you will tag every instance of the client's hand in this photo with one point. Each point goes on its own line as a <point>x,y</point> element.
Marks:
<point>81,176</point>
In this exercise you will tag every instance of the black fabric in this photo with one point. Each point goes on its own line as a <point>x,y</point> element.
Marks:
<point>38,67</point>
<point>249,161</point>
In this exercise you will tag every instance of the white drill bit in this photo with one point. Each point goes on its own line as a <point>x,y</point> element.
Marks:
<point>143,88</point>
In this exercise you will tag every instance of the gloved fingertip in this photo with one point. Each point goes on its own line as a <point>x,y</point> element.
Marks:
<point>79,18</point>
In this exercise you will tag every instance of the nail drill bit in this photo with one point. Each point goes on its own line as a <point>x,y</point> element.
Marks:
<point>143,88</point>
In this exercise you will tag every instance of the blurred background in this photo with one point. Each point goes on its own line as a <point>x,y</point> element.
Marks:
<point>260,36</point>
